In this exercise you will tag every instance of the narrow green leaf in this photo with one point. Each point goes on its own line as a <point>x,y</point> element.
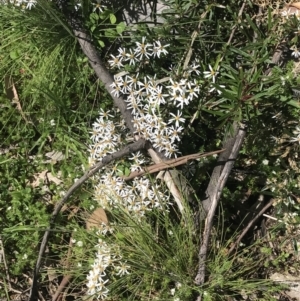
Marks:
<point>294,103</point>
<point>241,52</point>
<point>254,27</point>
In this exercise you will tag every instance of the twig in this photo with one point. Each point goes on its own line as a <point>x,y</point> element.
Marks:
<point>12,94</point>
<point>238,140</point>
<point>169,164</point>
<point>194,36</point>
<point>234,28</point>
<point>2,254</point>
<point>273,218</point>
<point>131,148</point>
<point>250,224</point>
<point>66,278</point>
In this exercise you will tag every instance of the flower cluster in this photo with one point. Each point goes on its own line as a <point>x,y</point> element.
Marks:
<point>97,278</point>
<point>157,116</point>
<point>24,4</point>
<point>143,50</point>
<point>112,191</point>
<point>147,99</point>
<point>29,4</point>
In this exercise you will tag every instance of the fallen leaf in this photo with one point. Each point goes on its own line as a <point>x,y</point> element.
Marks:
<point>53,179</point>
<point>291,9</point>
<point>55,156</point>
<point>43,176</point>
<point>97,217</point>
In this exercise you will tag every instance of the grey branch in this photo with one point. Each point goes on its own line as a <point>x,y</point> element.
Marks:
<point>234,143</point>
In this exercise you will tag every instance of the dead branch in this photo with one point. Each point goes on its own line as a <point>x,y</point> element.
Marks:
<point>250,224</point>
<point>168,164</point>
<point>214,198</point>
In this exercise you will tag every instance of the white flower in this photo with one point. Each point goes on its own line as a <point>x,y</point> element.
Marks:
<point>182,101</point>
<point>174,132</point>
<point>133,80</point>
<point>192,90</point>
<point>30,4</point>
<point>172,291</point>
<point>175,87</point>
<point>194,68</point>
<point>296,52</point>
<point>170,150</point>
<point>122,269</point>
<point>79,243</point>
<point>52,122</point>
<point>141,51</point>
<point>98,6</point>
<point>177,118</point>
<point>210,74</point>
<point>213,88</point>
<point>146,86</point>
<point>104,114</point>
<point>159,49</point>
<point>116,89</point>
<point>122,53</point>
<point>102,294</point>
<point>138,158</point>
<point>115,61</point>
<point>131,57</point>
<point>265,162</point>
<point>158,96</point>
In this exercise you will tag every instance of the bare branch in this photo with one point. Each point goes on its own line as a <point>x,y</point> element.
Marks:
<point>250,224</point>
<point>169,164</point>
<point>214,198</point>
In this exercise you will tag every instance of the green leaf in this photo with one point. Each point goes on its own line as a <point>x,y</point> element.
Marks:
<point>127,171</point>
<point>101,43</point>
<point>112,18</point>
<point>241,52</point>
<point>110,33</point>
<point>120,27</point>
<point>94,16</point>
<point>254,26</point>
<point>294,103</point>
<point>120,236</point>
<point>14,54</point>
